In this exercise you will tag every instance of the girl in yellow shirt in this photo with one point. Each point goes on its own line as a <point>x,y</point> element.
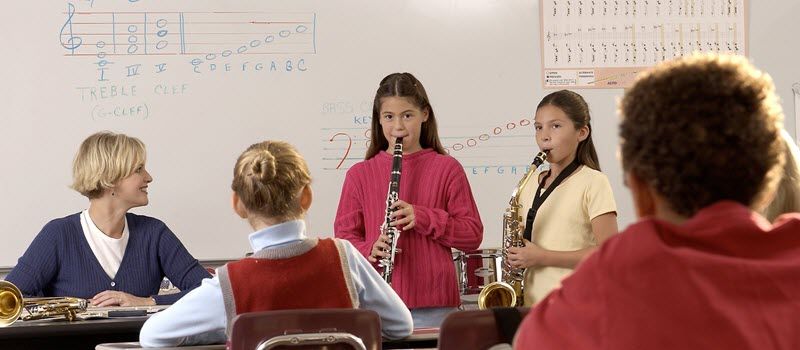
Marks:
<point>571,208</point>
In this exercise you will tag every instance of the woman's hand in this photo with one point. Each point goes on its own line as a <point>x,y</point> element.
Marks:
<point>530,255</point>
<point>403,215</point>
<point>116,298</point>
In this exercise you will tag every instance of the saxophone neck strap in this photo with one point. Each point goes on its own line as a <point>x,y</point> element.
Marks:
<point>540,197</point>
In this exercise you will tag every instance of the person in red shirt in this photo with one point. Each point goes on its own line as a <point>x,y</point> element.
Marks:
<point>702,153</point>
<point>435,211</point>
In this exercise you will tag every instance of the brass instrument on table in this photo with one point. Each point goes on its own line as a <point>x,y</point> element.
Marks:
<point>509,292</point>
<point>393,196</point>
<point>12,305</point>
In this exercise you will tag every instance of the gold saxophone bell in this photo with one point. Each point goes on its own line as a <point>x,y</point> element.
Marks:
<point>12,304</point>
<point>497,294</point>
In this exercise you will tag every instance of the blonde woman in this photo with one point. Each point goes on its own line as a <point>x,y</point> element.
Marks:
<point>104,253</point>
<point>787,197</point>
<point>272,191</point>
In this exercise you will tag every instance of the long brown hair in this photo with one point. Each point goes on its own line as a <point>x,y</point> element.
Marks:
<point>403,85</point>
<point>576,108</point>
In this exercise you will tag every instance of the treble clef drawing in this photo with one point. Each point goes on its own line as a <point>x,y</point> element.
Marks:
<point>72,42</point>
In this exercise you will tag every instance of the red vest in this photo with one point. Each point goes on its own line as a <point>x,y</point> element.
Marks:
<point>318,278</point>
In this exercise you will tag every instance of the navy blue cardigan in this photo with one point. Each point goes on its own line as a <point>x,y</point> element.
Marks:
<point>59,262</point>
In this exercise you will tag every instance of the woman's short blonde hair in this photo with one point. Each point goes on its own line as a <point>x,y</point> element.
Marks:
<point>787,197</point>
<point>104,159</point>
<point>269,178</point>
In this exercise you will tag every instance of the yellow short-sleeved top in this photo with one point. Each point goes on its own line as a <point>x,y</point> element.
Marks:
<point>564,222</point>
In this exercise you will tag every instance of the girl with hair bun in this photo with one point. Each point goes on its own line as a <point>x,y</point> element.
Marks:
<point>272,191</point>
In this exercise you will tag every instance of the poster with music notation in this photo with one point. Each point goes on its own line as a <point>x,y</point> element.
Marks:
<point>605,43</point>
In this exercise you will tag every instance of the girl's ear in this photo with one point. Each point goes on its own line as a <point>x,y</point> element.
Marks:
<point>238,206</point>
<point>583,133</point>
<point>425,115</point>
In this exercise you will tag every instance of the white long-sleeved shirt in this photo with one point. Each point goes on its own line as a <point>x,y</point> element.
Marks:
<point>199,317</point>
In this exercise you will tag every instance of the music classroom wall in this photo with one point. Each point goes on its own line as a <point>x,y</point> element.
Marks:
<point>199,81</point>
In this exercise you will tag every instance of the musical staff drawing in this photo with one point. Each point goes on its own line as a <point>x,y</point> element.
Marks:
<point>491,148</point>
<point>68,39</point>
<point>187,33</point>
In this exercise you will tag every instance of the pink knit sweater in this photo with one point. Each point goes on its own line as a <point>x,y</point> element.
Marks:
<point>446,217</point>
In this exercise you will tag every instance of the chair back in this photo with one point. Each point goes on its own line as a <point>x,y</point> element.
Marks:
<point>474,329</point>
<point>307,329</point>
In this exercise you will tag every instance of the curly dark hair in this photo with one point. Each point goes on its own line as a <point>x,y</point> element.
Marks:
<point>701,129</point>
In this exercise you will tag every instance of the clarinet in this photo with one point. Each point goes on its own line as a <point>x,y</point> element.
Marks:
<point>392,231</point>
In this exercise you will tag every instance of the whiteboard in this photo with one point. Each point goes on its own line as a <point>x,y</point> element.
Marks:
<point>170,73</point>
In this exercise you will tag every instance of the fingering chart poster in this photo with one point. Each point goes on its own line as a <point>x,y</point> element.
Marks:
<point>605,43</point>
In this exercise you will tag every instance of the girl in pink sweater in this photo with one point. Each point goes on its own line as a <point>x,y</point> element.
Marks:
<point>435,211</point>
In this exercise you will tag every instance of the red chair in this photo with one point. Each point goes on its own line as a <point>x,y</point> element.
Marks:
<point>474,329</point>
<point>307,329</point>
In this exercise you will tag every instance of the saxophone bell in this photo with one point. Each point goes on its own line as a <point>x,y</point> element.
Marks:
<point>497,294</point>
<point>12,304</point>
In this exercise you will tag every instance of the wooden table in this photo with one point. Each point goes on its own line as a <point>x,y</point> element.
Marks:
<point>60,334</point>
<point>422,338</point>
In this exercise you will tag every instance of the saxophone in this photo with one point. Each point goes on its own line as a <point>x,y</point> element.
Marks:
<point>392,231</point>
<point>508,293</point>
<point>12,304</point>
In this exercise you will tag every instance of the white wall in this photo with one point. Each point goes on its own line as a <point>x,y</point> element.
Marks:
<point>479,60</point>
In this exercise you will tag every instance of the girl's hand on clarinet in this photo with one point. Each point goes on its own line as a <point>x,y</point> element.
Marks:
<point>403,215</point>
<point>380,249</point>
<point>524,257</point>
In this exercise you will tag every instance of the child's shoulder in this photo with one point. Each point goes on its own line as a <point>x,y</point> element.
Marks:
<point>361,168</point>
<point>340,242</point>
<point>592,176</point>
<point>639,243</point>
<point>590,172</point>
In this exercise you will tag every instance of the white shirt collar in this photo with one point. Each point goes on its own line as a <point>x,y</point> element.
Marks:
<point>276,235</point>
